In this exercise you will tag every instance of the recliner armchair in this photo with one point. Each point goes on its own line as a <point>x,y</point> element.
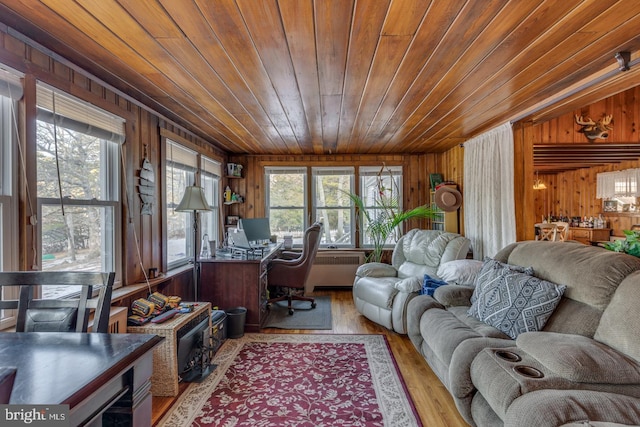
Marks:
<point>382,291</point>
<point>290,272</point>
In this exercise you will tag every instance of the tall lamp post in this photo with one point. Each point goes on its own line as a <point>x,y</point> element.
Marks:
<point>194,200</point>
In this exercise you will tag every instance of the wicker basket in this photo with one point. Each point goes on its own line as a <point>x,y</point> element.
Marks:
<point>164,380</point>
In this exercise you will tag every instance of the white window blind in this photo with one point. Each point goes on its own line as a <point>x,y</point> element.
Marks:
<point>10,85</point>
<point>72,113</point>
<point>180,155</point>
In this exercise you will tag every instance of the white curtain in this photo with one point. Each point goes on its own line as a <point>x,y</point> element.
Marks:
<point>489,207</point>
<point>622,183</point>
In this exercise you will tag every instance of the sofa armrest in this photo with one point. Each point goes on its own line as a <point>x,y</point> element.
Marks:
<point>454,295</point>
<point>580,359</point>
<point>416,307</point>
<point>559,407</point>
<point>376,269</point>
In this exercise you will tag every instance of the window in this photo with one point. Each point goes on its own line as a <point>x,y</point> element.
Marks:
<point>286,190</point>
<point>180,173</point>
<point>381,193</point>
<point>10,92</point>
<point>78,182</point>
<point>620,189</point>
<point>210,177</point>
<point>332,204</point>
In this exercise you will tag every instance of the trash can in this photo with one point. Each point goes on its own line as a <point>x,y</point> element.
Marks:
<point>235,322</point>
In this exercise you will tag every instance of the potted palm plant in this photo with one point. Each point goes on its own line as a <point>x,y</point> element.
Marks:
<point>382,215</point>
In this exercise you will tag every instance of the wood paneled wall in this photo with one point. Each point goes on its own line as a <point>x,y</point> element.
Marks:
<point>573,193</point>
<point>142,138</point>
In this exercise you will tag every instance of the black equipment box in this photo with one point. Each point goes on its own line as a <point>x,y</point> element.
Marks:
<point>218,329</point>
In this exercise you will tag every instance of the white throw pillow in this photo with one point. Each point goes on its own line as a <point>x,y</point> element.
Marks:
<point>460,272</point>
<point>410,284</point>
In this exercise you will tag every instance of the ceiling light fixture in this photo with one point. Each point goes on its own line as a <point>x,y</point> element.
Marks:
<point>537,184</point>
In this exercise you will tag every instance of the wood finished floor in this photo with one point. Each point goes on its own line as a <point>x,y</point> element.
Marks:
<point>431,399</point>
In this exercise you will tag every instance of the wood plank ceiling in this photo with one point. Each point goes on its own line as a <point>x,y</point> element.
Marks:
<point>343,76</point>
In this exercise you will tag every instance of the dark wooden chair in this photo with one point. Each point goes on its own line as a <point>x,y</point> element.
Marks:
<point>288,274</point>
<point>65,314</point>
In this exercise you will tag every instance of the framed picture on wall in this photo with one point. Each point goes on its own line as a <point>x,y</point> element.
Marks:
<point>609,205</point>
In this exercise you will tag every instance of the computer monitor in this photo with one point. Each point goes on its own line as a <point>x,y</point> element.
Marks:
<point>256,229</point>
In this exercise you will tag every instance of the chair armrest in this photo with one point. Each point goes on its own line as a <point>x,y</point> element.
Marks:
<point>285,262</point>
<point>376,269</point>
<point>289,255</point>
<point>454,295</point>
<point>561,407</point>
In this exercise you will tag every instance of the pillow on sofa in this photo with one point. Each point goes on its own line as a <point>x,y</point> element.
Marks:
<point>460,271</point>
<point>408,285</point>
<point>492,271</point>
<point>580,359</point>
<point>429,285</point>
<point>516,302</point>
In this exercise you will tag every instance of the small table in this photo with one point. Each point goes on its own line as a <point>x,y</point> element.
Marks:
<point>165,378</point>
<point>100,376</point>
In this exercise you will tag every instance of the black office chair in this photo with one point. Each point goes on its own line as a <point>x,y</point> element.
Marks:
<point>288,274</point>
<point>59,315</point>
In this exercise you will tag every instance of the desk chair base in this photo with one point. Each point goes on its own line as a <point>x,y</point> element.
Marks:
<point>290,296</point>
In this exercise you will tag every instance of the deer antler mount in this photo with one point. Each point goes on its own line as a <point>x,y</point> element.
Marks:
<point>594,130</point>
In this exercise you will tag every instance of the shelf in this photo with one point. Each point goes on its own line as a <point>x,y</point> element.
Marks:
<point>233,202</point>
<point>443,221</point>
<point>233,177</point>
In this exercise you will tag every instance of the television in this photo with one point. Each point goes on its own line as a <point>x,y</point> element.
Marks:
<point>256,229</point>
<point>193,352</point>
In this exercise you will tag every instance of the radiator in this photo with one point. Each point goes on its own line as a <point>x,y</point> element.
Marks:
<point>334,268</point>
<point>117,320</point>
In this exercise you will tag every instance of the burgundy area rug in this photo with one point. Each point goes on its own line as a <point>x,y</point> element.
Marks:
<point>298,380</point>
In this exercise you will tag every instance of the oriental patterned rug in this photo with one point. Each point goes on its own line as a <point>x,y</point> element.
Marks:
<point>298,380</point>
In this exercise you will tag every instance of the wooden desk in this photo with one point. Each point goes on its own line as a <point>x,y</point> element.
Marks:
<point>229,282</point>
<point>165,378</point>
<point>100,376</point>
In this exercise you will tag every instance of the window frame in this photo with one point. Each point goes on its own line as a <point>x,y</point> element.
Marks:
<point>304,171</point>
<point>8,200</point>
<point>211,170</point>
<point>189,170</point>
<point>320,171</point>
<point>110,197</point>
<point>394,172</point>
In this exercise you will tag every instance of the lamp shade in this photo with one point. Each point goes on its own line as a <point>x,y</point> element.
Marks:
<point>193,200</point>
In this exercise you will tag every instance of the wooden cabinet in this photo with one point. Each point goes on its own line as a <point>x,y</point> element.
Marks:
<point>228,282</point>
<point>444,221</point>
<point>589,235</point>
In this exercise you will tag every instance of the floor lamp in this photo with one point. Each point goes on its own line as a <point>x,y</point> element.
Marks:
<point>194,200</point>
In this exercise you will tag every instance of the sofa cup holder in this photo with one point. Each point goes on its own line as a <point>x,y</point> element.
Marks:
<point>509,356</point>
<point>528,371</point>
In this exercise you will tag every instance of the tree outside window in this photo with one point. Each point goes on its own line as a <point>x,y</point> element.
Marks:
<point>286,206</point>
<point>78,191</point>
